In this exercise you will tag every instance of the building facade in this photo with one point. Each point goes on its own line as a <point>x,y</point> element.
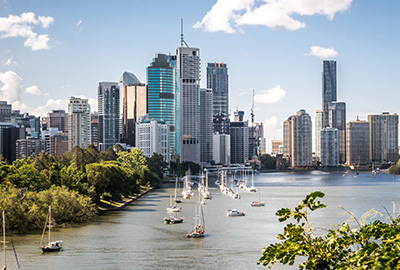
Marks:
<point>329,87</point>
<point>358,143</point>
<point>319,120</point>
<point>239,132</point>
<point>5,111</point>
<point>384,137</point>
<point>78,123</point>
<point>221,148</point>
<point>329,147</point>
<point>206,125</point>
<point>188,63</point>
<point>152,136</point>
<point>109,121</point>
<point>337,119</point>
<point>57,119</point>
<point>28,147</point>
<point>275,144</point>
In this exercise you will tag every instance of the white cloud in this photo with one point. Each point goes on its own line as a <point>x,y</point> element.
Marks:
<point>22,26</point>
<point>227,15</point>
<point>34,90</point>
<point>322,52</point>
<point>11,89</point>
<point>79,23</point>
<point>10,62</point>
<point>51,104</point>
<point>270,96</point>
<point>271,123</point>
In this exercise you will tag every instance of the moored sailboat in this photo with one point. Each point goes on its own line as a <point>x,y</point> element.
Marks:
<point>51,246</point>
<point>199,228</point>
<point>258,203</point>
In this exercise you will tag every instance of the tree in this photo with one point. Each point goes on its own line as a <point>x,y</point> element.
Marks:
<point>373,245</point>
<point>157,164</point>
<point>268,162</point>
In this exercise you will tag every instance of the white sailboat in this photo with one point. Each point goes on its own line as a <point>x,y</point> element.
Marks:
<point>199,226</point>
<point>172,206</point>
<point>187,189</point>
<point>176,198</point>
<point>252,188</point>
<point>258,203</point>
<point>51,246</point>
<point>206,193</point>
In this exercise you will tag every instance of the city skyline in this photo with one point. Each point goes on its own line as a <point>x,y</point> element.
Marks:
<point>57,51</point>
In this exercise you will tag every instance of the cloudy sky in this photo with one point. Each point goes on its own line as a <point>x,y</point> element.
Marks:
<point>51,50</point>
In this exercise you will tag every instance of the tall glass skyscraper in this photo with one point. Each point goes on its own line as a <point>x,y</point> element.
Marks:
<point>161,94</point>
<point>217,80</point>
<point>109,122</point>
<point>329,89</point>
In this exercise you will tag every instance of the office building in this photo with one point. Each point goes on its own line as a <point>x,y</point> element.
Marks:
<point>28,147</point>
<point>9,134</point>
<point>206,125</point>
<point>239,132</point>
<point>297,140</point>
<point>34,124</point>
<point>329,147</point>
<point>358,143</point>
<point>188,63</point>
<point>109,122</point>
<point>337,119</point>
<point>275,144</point>
<point>217,80</point>
<point>5,111</point>
<point>78,123</point>
<point>134,105</point>
<point>94,129</point>
<point>152,136</point>
<point>57,119</point>
<point>319,125</point>
<point>384,137</point>
<point>221,148</point>
<point>161,94</point>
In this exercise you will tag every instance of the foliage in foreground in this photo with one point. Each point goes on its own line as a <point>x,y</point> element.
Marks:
<point>375,245</point>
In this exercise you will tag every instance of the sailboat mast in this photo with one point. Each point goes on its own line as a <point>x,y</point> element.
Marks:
<point>49,221</point>
<point>4,238</point>
<point>207,180</point>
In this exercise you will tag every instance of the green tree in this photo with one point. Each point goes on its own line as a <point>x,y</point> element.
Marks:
<point>373,245</point>
<point>157,165</point>
<point>268,162</point>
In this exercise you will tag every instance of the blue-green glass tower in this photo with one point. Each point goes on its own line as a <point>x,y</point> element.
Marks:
<point>161,94</point>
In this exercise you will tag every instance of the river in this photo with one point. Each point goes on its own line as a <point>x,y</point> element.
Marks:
<point>136,238</point>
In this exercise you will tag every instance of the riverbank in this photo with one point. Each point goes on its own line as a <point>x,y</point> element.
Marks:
<point>122,205</point>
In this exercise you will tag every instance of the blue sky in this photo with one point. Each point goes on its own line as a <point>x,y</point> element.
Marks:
<point>65,48</point>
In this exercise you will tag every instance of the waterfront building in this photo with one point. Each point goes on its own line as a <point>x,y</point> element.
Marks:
<point>239,132</point>
<point>161,94</point>
<point>217,80</point>
<point>329,87</point>
<point>5,111</point>
<point>337,119</point>
<point>152,136</point>
<point>329,147</point>
<point>134,105</point>
<point>57,119</point>
<point>319,125</point>
<point>188,63</point>
<point>206,125</point>
<point>28,147</point>
<point>109,122</point>
<point>78,123</point>
<point>358,143</point>
<point>297,140</point>
<point>275,147</point>
<point>221,148</point>
<point>384,137</point>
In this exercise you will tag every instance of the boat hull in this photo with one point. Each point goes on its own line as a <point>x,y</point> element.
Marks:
<point>51,249</point>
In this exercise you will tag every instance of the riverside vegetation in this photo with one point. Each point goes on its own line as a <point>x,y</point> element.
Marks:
<point>366,245</point>
<point>76,184</point>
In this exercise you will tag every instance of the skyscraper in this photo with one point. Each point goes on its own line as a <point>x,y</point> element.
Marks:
<point>161,94</point>
<point>329,87</point>
<point>57,119</point>
<point>189,67</point>
<point>109,122</point>
<point>319,119</point>
<point>134,105</point>
<point>239,132</point>
<point>78,123</point>
<point>337,119</point>
<point>217,80</point>
<point>384,137</point>
<point>358,143</point>
<point>329,147</point>
<point>297,139</point>
<point>206,125</point>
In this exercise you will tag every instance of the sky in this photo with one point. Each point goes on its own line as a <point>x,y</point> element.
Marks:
<point>52,50</point>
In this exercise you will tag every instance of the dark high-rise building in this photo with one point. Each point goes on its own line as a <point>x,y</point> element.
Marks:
<point>57,119</point>
<point>161,94</point>
<point>206,125</point>
<point>329,87</point>
<point>337,119</point>
<point>109,123</point>
<point>217,80</point>
<point>239,132</point>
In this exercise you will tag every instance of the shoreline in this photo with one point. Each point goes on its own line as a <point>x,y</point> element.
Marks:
<point>125,204</point>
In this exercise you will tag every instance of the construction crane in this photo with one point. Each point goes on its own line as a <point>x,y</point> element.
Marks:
<point>252,110</point>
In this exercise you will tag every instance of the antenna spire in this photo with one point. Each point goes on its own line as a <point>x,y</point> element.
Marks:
<point>252,110</point>
<point>182,39</point>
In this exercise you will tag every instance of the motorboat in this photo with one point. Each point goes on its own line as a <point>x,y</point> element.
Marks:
<point>235,213</point>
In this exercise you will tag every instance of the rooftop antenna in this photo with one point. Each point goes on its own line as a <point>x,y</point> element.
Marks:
<point>252,110</point>
<point>182,40</point>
